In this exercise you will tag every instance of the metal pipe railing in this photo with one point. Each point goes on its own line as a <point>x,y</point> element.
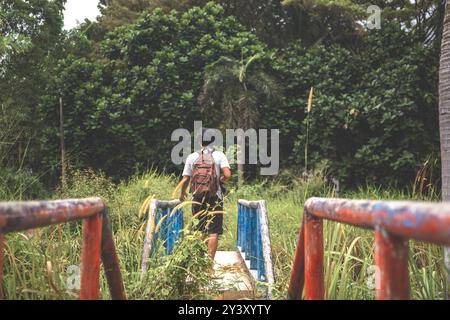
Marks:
<point>162,223</point>
<point>394,223</point>
<point>253,241</point>
<point>97,243</point>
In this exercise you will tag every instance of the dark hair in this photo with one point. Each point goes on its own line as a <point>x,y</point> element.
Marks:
<point>206,141</point>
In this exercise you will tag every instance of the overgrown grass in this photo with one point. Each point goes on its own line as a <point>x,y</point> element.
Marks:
<point>36,263</point>
<point>349,251</point>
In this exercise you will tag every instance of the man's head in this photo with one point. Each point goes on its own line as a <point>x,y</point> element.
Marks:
<point>207,137</point>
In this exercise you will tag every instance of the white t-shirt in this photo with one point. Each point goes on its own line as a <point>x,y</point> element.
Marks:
<point>220,160</point>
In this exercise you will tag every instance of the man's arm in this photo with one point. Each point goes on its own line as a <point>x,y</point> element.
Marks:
<point>225,166</point>
<point>187,173</point>
<point>226,175</point>
<point>184,184</point>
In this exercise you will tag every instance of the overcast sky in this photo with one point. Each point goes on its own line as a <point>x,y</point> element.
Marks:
<point>78,10</point>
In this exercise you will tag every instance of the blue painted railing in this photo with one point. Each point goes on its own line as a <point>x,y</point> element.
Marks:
<point>162,224</point>
<point>253,241</point>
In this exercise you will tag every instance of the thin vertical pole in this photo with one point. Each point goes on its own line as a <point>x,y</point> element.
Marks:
<point>63,149</point>
<point>90,257</point>
<point>391,259</point>
<point>314,281</point>
<point>298,269</point>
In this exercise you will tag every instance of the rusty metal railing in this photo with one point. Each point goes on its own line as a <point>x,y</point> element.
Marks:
<point>394,223</point>
<point>97,243</point>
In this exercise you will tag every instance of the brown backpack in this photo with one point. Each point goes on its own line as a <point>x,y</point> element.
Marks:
<point>204,180</point>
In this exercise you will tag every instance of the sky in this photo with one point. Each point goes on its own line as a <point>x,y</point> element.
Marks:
<point>78,10</point>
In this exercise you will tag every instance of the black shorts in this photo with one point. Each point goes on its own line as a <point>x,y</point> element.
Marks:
<point>209,222</point>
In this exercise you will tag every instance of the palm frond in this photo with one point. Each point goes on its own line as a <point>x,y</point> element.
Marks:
<point>238,88</point>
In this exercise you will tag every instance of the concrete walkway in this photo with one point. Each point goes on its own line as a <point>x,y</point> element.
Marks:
<point>233,278</point>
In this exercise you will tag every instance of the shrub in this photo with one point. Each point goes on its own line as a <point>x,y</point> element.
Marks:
<point>182,275</point>
<point>20,185</point>
<point>374,115</point>
<point>120,112</point>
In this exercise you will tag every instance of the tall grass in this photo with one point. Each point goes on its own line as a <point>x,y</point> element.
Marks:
<point>349,251</point>
<point>36,263</point>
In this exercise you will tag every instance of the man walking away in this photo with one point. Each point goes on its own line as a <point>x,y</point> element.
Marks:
<point>203,170</point>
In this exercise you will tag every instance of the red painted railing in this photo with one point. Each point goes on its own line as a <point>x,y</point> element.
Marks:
<point>98,243</point>
<point>394,223</point>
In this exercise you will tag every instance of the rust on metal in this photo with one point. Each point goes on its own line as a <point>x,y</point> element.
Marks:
<point>313,242</point>
<point>111,262</point>
<point>428,222</point>
<point>298,269</point>
<point>90,257</point>
<point>19,216</point>
<point>391,259</point>
<point>98,243</point>
<point>394,223</point>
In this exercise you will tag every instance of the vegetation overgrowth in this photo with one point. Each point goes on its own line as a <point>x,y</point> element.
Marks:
<point>40,264</point>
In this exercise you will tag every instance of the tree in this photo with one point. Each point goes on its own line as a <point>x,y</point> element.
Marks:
<point>238,89</point>
<point>423,17</point>
<point>375,113</point>
<point>444,121</point>
<point>266,18</point>
<point>120,111</point>
<point>278,22</point>
<point>29,36</point>
<point>324,21</point>
<point>116,13</point>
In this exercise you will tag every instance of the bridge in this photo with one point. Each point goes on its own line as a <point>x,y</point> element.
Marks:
<point>246,272</point>
<point>393,222</point>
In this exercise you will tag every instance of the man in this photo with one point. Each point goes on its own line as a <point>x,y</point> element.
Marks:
<point>203,171</point>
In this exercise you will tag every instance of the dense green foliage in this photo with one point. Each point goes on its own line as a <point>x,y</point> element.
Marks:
<point>120,112</point>
<point>276,22</point>
<point>29,34</point>
<point>375,113</point>
<point>131,78</point>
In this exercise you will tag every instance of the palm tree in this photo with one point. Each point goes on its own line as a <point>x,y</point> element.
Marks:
<point>444,121</point>
<point>237,89</point>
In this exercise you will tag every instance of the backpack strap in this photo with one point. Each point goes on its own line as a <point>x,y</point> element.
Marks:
<point>200,152</point>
